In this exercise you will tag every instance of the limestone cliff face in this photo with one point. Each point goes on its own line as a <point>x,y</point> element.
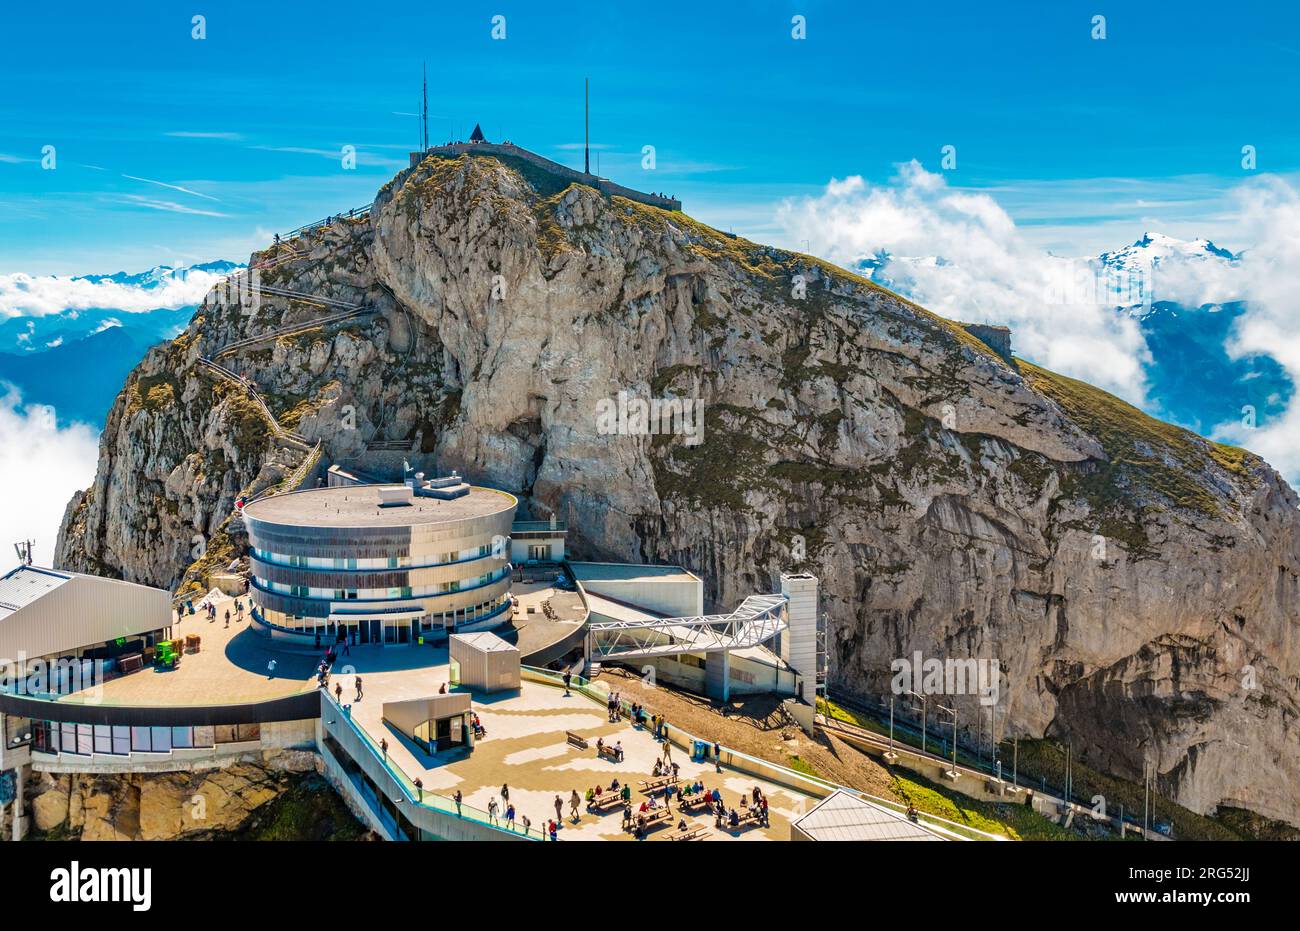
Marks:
<point>1123,573</point>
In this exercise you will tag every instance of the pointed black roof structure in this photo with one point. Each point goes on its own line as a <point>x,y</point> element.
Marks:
<point>477,134</point>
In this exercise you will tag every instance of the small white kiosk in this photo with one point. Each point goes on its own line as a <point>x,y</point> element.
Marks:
<point>484,662</point>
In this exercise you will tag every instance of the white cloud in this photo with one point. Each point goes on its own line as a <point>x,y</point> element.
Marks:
<point>988,271</point>
<point>1266,276</point>
<point>174,187</point>
<point>169,206</point>
<point>41,466</point>
<point>229,137</point>
<point>35,296</point>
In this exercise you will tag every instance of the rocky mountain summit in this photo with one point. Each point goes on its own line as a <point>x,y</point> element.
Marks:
<point>1136,584</point>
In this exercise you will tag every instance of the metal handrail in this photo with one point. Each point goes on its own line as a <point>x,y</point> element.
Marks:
<point>430,800</point>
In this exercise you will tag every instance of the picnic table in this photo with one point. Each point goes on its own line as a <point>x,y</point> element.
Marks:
<point>604,801</point>
<point>692,834</point>
<point>694,799</point>
<point>649,786</point>
<point>652,818</point>
<point>744,817</point>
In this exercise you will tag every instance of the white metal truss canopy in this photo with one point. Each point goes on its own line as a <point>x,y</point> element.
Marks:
<point>758,619</point>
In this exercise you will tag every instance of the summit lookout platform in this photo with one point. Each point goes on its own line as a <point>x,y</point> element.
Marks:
<point>561,173</point>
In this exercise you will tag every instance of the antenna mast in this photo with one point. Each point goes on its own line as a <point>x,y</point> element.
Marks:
<point>586,125</point>
<point>24,551</point>
<point>424,111</point>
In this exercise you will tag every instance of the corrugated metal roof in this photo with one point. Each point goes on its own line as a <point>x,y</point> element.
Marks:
<point>842,816</point>
<point>47,612</point>
<point>629,572</point>
<point>25,585</point>
<point>485,642</point>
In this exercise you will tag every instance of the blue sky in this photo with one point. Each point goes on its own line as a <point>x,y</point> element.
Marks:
<point>1084,142</point>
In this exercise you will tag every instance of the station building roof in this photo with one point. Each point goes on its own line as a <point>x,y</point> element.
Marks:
<point>48,612</point>
<point>843,816</point>
<point>629,572</point>
<point>369,506</point>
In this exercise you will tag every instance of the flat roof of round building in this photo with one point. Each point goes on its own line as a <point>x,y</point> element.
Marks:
<point>359,506</point>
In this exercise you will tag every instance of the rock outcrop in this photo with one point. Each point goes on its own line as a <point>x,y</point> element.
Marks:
<point>1137,584</point>
<point>162,806</point>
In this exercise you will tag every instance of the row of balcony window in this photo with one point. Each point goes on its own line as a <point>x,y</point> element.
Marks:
<point>381,562</point>
<point>380,594</point>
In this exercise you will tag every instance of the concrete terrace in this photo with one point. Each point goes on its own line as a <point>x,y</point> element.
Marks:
<point>525,747</point>
<point>232,667</point>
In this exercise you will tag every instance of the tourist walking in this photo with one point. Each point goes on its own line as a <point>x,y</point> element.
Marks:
<point>510,817</point>
<point>357,680</point>
<point>492,811</point>
<point>457,798</point>
<point>568,678</point>
<point>528,824</point>
<point>559,808</point>
<point>574,802</point>
<point>717,756</point>
<point>505,792</point>
<point>338,692</point>
<point>227,617</point>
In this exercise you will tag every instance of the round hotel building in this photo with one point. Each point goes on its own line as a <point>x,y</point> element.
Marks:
<point>380,563</point>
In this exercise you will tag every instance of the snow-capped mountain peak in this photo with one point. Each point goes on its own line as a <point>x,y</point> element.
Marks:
<point>1156,248</point>
<point>160,275</point>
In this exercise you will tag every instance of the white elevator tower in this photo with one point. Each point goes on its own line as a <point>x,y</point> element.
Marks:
<point>799,640</point>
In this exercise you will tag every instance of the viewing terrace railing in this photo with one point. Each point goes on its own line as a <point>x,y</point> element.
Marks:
<point>427,800</point>
<point>735,759</point>
<point>354,213</point>
<point>88,706</point>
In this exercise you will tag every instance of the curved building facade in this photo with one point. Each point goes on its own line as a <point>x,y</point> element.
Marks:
<point>380,563</point>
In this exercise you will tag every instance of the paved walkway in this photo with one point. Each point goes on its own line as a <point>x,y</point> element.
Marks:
<point>526,748</point>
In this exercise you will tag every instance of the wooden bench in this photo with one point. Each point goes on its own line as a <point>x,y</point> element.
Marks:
<point>576,740</point>
<point>610,751</point>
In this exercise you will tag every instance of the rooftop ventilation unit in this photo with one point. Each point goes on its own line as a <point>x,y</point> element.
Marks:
<point>394,496</point>
<point>445,488</point>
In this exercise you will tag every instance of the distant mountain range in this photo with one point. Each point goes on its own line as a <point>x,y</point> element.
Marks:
<point>77,359</point>
<point>1191,379</point>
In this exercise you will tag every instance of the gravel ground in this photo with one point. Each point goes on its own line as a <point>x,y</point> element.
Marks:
<point>754,724</point>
